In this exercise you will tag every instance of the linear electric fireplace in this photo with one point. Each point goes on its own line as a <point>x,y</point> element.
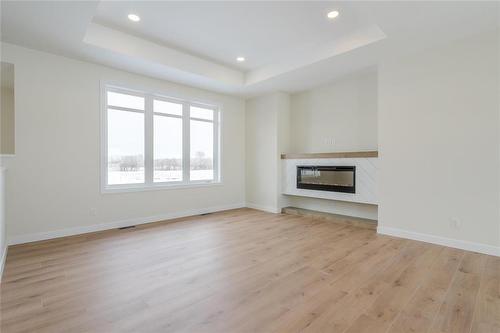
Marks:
<point>327,178</point>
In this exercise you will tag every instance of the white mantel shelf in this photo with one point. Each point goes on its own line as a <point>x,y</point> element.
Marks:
<point>345,154</point>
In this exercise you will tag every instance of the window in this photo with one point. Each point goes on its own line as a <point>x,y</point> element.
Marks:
<point>152,141</point>
<point>202,143</point>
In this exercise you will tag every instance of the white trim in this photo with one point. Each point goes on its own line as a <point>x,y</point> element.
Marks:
<point>455,243</point>
<point>2,262</point>
<point>103,139</point>
<point>269,209</point>
<point>28,238</point>
<point>166,115</point>
<point>121,108</point>
<point>215,143</point>
<point>172,96</point>
<point>186,141</point>
<point>148,142</point>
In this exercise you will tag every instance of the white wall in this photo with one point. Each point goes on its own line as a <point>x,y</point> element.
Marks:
<point>7,120</point>
<point>266,134</point>
<point>283,106</point>
<point>7,147</point>
<point>53,182</point>
<point>341,116</point>
<point>3,243</point>
<point>439,142</point>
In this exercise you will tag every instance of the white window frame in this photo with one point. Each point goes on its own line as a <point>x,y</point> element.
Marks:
<point>149,113</point>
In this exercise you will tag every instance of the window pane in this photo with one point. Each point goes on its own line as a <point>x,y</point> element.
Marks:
<point>201,113</point>
<point>125,101</point>
<point>167,149</point>
<point>125,147</point>
<point>168,107</point>
<point>202,145</point>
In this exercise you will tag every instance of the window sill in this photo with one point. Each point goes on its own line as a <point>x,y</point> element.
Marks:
<point>158,187</point>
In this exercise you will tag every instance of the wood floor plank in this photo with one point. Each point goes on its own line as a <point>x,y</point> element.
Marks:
<point>418,314</point>
<point>487,310</point>
<point>338,317</point>
<point>391,301</point>
<point>456,312</point>
<point>300,318</point>
<point>246,271</point>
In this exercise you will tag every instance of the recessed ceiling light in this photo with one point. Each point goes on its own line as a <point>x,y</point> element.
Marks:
<point>134,18</point>
<point>240,59</point>
<point>333,14</point>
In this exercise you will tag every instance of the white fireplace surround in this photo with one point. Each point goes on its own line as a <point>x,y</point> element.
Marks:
<point>366,175</point>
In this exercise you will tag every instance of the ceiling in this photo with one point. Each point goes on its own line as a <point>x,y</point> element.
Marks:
<point>288,46</point>
<point>264,33</point>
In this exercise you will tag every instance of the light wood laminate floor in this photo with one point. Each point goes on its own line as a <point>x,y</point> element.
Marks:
<point>247,271</point>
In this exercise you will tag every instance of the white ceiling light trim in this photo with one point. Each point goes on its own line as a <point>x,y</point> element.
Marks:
<point>333,14</point>
<point>134,17</point>
<point>240,59</point>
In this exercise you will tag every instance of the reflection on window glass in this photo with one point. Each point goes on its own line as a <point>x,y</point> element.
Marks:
<point>125,147</point>
<point>167,149</point>
<point>125,101</point>
<point>167,107</point>
<point>201,113</point>
<point>202,145</point>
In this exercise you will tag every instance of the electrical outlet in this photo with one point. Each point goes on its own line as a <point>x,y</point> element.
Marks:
<point>329,141</point>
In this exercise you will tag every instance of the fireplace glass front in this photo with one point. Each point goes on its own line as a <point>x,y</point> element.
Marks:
<point>327,178</point>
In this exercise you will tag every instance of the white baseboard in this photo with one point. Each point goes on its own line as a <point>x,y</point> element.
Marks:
<point>456,243</point>
<point>28,238</point>
<point>269,209</point>
<point>2,262</point>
